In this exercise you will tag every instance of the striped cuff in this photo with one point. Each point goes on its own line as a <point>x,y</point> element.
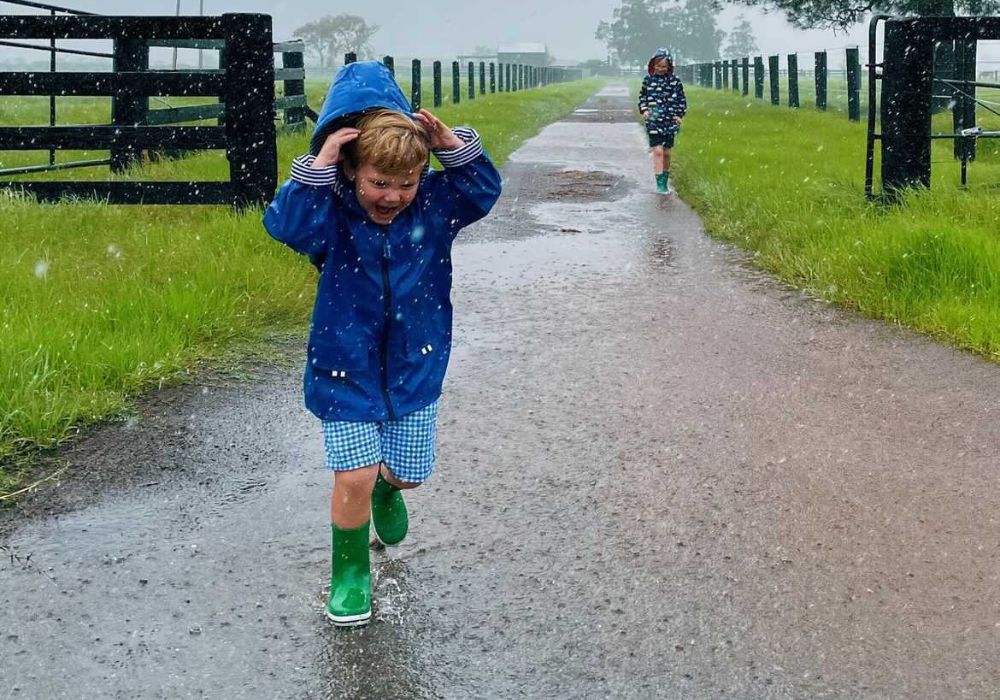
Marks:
<point>302,172</point>
<point>457,157</point>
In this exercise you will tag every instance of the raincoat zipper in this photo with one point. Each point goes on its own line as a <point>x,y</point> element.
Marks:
<point>387,296</point>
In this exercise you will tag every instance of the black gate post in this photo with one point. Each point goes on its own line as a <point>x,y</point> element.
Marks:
<point>131,54</point>
<point>252,149</point>
<point>758,77</point>
<point>456,83</point>
<point>774,73</point>
<point>493,78</point>
<point>482,78</point>
<point>746,76</point>
<point>350,57</point>
<point>793,80</point>
<point>472,80</point>
<point>717,74</point>
<point>734,67</point>
<point>821,74</point>
<point>853,85</point>
<point>390,63</point>
<point>907,80</point>
<point>964,114</point>
<point>416,92</point>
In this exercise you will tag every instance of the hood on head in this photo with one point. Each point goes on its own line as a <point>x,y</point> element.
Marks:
<point>357,88</point>
<point>660,53</point>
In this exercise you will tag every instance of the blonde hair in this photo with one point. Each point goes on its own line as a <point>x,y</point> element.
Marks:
<point>390,142</point>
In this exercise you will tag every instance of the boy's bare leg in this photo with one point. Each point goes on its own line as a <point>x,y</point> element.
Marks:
<point>350,502</point>
<point>658,159</point>
<point>666,160</point>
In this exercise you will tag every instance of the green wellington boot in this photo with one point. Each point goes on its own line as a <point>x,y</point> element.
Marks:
<point>389,512</point>
<point>661,183</point>
<point>350,578</point>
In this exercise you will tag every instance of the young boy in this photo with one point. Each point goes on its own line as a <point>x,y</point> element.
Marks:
<point>379,225</point>
<point>663,105</point>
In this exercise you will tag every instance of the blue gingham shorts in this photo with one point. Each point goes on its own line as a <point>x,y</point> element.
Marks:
<point>405,445</point>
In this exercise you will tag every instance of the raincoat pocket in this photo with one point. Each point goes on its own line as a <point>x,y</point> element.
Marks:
<point>339,361</point>
<point>426,345</point>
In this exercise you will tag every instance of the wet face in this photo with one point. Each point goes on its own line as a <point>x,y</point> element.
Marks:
<point>661,67</point>
<point>384,196</point>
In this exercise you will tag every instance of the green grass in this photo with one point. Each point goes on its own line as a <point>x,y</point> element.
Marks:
<point>100,303</point>
<point>788,185</point>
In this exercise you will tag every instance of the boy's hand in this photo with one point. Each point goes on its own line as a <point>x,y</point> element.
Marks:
<point>645,114</point>
<point>442,138</point>
<point>677,121</point>
<point>330,153</point>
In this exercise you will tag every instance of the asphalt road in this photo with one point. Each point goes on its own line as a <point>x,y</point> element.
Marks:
<point>661,475</point>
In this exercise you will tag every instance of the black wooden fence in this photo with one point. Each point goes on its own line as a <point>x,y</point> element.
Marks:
<point>503,77</point>
<point>727,75</point>
<point>244,85</point>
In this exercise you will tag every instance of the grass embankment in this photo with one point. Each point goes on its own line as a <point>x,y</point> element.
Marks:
<point>101,302</point>
<point>789,185</point>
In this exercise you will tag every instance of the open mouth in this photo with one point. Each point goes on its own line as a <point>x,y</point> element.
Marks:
<point>386,212</point>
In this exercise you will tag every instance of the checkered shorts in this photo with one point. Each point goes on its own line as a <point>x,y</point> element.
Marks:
<point>406,444</point>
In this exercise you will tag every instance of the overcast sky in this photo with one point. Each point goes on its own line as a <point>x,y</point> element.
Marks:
<point>429,28</point>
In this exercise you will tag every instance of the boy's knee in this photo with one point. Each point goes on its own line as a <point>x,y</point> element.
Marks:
<point>363,478</point>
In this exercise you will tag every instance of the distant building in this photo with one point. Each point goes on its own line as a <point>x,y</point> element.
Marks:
<point>526,54</point>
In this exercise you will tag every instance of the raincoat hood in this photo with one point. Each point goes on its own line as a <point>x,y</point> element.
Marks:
<point>357,88</point>
<point>660,53</point>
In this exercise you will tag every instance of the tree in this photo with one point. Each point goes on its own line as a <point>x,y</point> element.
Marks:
<point>330,36</point>
<point>838,14</point>
<point>694,33</point>
<point>636,31</point>
<point>741,40</point>
<point>639,27</point>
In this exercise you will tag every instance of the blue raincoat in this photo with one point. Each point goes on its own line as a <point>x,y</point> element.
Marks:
<point>382,322</point>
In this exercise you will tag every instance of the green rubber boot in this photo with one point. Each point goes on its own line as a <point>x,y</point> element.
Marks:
<point>661,183</point>
<point>389,512</point>
<point>350,601</point>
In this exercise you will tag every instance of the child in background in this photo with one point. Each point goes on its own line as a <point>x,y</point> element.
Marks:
<point>379,225</point>
<point>662,105</point>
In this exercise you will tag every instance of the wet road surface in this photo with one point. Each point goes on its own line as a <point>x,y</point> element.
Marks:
<point>661,475</point>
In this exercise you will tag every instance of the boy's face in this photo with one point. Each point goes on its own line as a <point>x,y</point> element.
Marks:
<point>383,196</point>
<point>660,67</point>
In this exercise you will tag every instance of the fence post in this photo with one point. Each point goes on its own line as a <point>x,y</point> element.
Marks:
<point>456,83</point>
<point>130,54</point>
<point>734,69</point>
<point>252,148</point>
<point>470,79</point>
<point>415,86</point>
<point>482,78</point>
<point>774,74</point>
<point>390,63</point>
<point>506,80</point>
<point>853,85</point>
<point>724,68</point>
<point>493,77</point>
<point>758,77</point>
<point>295,117</point>
<point>746,75</point>
<point>438,99</point>
<point>793,80</point>
<point>350,57</point>
<point>821,74</point>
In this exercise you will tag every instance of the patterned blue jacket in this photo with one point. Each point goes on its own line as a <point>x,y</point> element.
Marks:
<point>663,96</point>
<point>381,325</point>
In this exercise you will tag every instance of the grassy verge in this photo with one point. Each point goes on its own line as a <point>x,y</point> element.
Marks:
<point>102,302</point>
<point>788,185</point>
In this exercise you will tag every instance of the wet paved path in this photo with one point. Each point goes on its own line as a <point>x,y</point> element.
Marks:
<point>661,475</point>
